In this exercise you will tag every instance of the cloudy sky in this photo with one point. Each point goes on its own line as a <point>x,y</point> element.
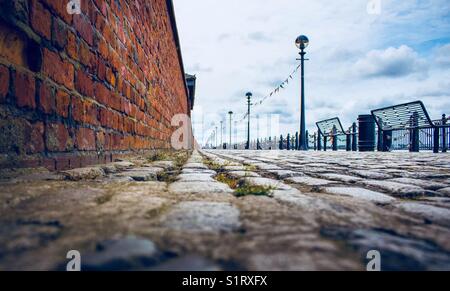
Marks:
<point>358,60</point>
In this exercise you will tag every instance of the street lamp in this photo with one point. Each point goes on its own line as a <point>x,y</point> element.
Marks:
<point>215,136</point>
<point>221,134</point>
<point>249,96</point>
<point>302,43</point>
<point>231,114</point>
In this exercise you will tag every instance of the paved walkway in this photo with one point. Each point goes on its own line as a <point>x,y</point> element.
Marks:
<point>232,210</point>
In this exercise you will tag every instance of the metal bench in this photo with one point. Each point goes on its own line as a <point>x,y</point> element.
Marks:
<point>411,116</point>
<point>332,128</point>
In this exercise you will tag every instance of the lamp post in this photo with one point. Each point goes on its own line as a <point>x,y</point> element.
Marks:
<point>302,42</point>
<point>221,134</point>
<point>231,116</point>
<point>215,135</point>
<point>249,96</point>
<point>235,133</point>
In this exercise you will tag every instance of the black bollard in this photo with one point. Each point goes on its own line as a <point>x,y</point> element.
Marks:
<point>366,133</point>
<point>414,132</point>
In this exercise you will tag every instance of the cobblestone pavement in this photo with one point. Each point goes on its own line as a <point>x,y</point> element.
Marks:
<point>232,210</point>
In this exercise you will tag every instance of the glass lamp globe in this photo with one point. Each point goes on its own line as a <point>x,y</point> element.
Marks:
<point>302,42</point>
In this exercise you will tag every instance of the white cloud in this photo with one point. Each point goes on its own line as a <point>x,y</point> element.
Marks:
<point>391,62</point>
<point>442,56</point>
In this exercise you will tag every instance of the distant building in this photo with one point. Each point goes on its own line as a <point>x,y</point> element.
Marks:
<point>191,82</point>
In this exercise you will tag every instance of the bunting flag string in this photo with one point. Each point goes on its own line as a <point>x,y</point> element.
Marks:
<point>274,92</point>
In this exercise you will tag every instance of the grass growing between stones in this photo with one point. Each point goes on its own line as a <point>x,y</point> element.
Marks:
<point>251,168</point>
<point>223,178</point>
<point>212,165</point>
<point>159,156</point>
<point>179,158</point>
<point>246,189</point>
<point>242,188</point>
<point>168,176</point>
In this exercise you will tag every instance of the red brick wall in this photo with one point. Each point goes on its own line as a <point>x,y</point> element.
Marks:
<point>80,89</point>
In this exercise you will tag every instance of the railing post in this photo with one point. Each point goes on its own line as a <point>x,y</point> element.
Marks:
<point>444,134</point>
<point>307,140</point>
<point>354,144</point>
<point>319,141</point>
<point>324,143</point>
<point>288,142</point>
<point>387,140</point>
<point>296,141</point>
<point>380,146</point>
<point>436,140</point>
<point>335,140</point>
<point>348,142</point>
<point>315,142</point>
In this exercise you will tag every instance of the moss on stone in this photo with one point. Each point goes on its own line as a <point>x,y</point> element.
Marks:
<point>246,189</point>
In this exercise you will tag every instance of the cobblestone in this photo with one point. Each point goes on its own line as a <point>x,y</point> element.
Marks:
<point>308,181</point>
<point>325,211</point>
<point>360,193</point>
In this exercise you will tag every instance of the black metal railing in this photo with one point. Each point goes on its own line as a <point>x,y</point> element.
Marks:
<point>399,140</point>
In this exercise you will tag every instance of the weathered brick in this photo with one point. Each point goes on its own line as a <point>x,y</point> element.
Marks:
<point>91,116</point>
<point>105,117</point>
<point>72,45</point>
<point>4,82</point>
<point>59,33</point>
<point>25,89</point>
<point>100,141</point>
<point>103,48</point>
<point>57,138</point>
<point>62,103</point>
<point>62,163</point>
<point>114,101</point>
<point>86,56</point>
<point>101,70</point>
<point>48,163</point>
<point>60,7</point>
<point>13,45</point>
<point>111,77</point>
<point>84,84</point>
<point>84,28</point>
<point>85,139</point>
<point>36,143</point>
<point>40,19</point>
<point>14,135</point>
<point>78,110</point>
<point>102,94</point>
<point>47,98</point>
<point>84,111</point>
<point>61,71</point>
